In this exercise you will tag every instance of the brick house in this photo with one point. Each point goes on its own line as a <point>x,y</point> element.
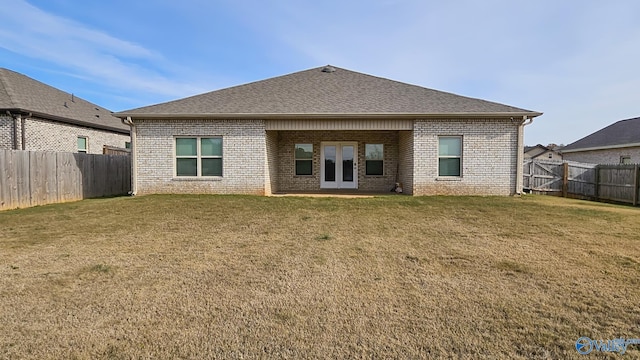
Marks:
<point>35,116</point>
<point>618,143</point>
<point>327,129</point>
<point>541,152</point>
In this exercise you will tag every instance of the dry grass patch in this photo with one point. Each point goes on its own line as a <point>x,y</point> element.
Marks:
<point>256,277</point>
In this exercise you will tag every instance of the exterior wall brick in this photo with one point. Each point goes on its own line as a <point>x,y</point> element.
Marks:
<point>256,161</point>
<point>405,158</point>
<point>489,158</point>
<point>272,162</point>
<point>607,156</point>
<point>6,132</point>
<point>46,135</point>
<point>243,148</point>
<point>288,181</point>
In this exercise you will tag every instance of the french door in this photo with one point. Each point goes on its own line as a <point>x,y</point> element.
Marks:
<point>339,165</point>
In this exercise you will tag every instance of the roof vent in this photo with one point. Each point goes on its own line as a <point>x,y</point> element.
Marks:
<point>328,69</point>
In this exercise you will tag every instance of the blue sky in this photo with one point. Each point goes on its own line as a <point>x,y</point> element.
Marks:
<point>576,61</point>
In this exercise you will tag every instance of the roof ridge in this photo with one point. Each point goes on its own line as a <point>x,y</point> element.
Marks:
<point>621,132</point>
<point>327,90</point>
<point>634,118</point>
<point>418,86</point>
<point>23,93</point>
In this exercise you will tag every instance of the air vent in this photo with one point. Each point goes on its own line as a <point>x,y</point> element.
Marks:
<point>328,69</point>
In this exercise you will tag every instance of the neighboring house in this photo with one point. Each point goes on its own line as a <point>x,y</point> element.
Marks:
<point>541,152</point>
<point>618,143</point>
<point>36,116</point>
<point>327,128</point>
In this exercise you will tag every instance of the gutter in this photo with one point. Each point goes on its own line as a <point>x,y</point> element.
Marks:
<point>604,147</point>
<point>134,156</point>
<point>520,161</point>
<point>70,121</point>
<point>299,116</point>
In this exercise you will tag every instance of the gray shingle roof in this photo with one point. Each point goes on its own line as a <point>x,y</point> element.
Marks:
<point>22,93</point>
<point>619,133</point>
<point>321,92</point>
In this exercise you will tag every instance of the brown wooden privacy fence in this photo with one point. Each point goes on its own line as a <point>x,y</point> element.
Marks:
<point>619,183</point>
<point>32,178</point>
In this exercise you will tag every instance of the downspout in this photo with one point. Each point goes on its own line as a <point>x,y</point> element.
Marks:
<point>134,157</point>
<point>520,162</point>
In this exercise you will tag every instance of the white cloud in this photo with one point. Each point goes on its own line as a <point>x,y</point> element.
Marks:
<point>86,52</point>
<point>574,61</point>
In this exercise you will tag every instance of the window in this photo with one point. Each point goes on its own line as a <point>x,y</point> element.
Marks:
<point>127,145</point>
<point>625,159</point>
<point>550,155</point>
<point>199,156</point>
<point>304,159</point>
<point>374,159</point>
<point>83,144</point>
<point>450,156</point>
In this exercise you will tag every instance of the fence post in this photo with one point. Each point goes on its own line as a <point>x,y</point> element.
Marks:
<point>596,183</point>
<point>635,184</point>
<point>565,179</point>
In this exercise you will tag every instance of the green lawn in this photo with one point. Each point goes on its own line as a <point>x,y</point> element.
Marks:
<point>286,277</point>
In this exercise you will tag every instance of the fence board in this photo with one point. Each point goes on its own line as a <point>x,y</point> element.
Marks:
<point>68,175</point>
<point>616,183</point>
<point>543,176</point>
<point>620,183</point>
<point>581,179</point>
<point>8,183</point>
<point>23,183</point>
<point>30,178</point>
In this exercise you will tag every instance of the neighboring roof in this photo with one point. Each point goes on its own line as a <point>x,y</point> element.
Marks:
<point>325,92</point>
<point>538,147</point>
<point>623,133</point>
<point>535,151</point>
<point>20,93</point>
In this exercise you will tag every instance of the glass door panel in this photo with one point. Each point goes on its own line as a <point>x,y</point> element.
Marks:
<point>330,163</point>
<point>347,163</point>
<point>339,168</point>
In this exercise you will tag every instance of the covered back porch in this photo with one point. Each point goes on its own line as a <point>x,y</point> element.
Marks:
<point>339,162</point>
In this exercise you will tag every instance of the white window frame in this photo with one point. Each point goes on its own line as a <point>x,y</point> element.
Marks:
<point>624,158</point>
<point>461,157</point>
<point>198,157</point>
<point>296,159</point>
<point>86,144</point>
<point>366,160</point>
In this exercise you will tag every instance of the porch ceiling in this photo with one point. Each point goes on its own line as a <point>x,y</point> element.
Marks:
<point>339,124</point>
